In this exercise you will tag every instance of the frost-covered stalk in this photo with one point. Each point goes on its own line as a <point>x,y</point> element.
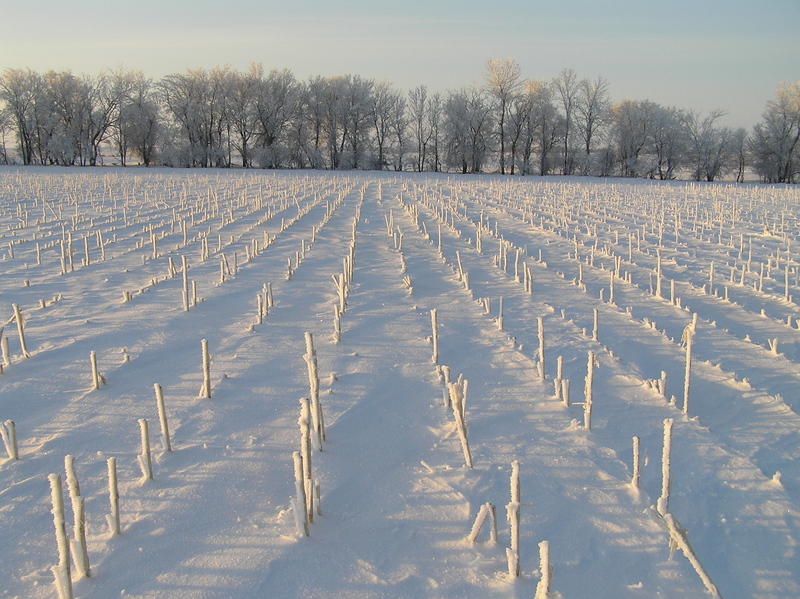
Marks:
<point>460,266</point>
<point>259,309</point>
<point>266,291</point>
<point>299,503</point>
<point>162,417</point>
<point>527,282</point>
<point>185,288</point>
<point>80,554</point>
<point>595,324</point>
<point>289,271</point>
<point>5,350</point>
<point>435,336</point>
<point>565,391</point>
<point>457,402</point>
<point>8,431</point>
<point>773,346</point>
<point>589,392</point>
<point>500,316</point>
<point>786,281</point>
<point>113,497</point>
<point>483,513</point>
<point>515,486</point>
<point>487,510</point>
<point>711,276</point>
<point>445,372</point>
<point>70,253</point>
<point>540,323</point>
<point>61,572</point>
<point>63,258</point>
<point>543,588</point>
<point>678,536</point>
<point>666,478</point>
<point>313,381</point>
<point>658,275</point>
<point>304,421</point>
<point>636,463</point>
<point>512,552</point>
<point>337,325</point>
<point>513,508</point>
<point>194,293</point>
<point>20,331</point>
<point>611,289</point>
<point>205,390</point>
<point>688,339</point>
<point>95,373</point>
<point>145,462</point>
<point>341,290</point>
<point>559,375</point>
<point>72,477</point>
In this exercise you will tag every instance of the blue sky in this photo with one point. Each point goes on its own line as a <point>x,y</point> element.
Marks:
<point>698,54</point>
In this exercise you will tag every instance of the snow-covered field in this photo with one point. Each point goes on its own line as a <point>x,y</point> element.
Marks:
<point>397,500</point>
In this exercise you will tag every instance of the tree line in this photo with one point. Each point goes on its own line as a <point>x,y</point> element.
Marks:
<point>257,119</point>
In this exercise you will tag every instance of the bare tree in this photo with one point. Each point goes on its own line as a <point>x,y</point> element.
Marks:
<point>335,121</point>
<point>276,98</point>
<point>5,127</point>
<point>502,81</point>
<point>140,120</point>
<point>223,84</point>
<point>310,124</point>
<point>592,113</point>
<point>399,126</point>
<point>357,101</point>
<point>186,98</point>
<point>668,141</point>
<point>631,123</point>
<point>519,117</point>
<point>739,143</point>
<point>542,128</point>
<point>105,97</point>
<point>19,89</point>
<point>776,140</point>
<point>467,129</point>
<point>435,110</point>
<point>709,149</point>
<point>122,82</point>
<point>243,118</point>
<point>420,126</point>
<point>567,87</point>
<point>382,108</point>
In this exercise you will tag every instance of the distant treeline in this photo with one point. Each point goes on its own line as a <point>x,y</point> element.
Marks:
<point>257,119</point>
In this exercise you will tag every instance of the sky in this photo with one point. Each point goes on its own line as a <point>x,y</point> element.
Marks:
<point>692,54</point>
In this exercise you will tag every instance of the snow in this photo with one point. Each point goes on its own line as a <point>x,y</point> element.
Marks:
<point>397,500</point>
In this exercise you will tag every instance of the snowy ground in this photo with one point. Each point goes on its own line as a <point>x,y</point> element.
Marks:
<point>397,500</point>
